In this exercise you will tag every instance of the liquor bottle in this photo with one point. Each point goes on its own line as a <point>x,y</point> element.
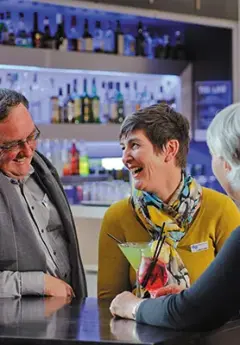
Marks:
<point>68,106</point>
<point>36,34</point>
<point>119,39</point>
<point>10,40</point>
<point>104,103</point>
<point>160,95</point>
<point>98,38</point>
<point>47,39</point>
<point>65,157</point>
<point>86,104</point>
<point>35,103</point>
<point>61,42</point>
<point>129,44</point>
<point>22,36</point>
<point>145,98</point>
<point>112,103</point>
<point>159,48</point>
<point>178,51</point>
<point>87,39</point>
<point>148,42</point>
<point>74,159</point>
<point>140,41</point>
<point>109,43</point>
<point>54,109</point>
<point>152,100</point>
<point>137,103</point>
<point>57,154</point>
<point>170,94</point>
<point>1,27</point>
<point>127,100</point>
<point>3,30</point>
<point>84,168</point>
<point>73,39</point>
<point>77,103</point>
<point>119,104</point>
<point>95,103</point>
<point>46,149</point>
<point>60,105</point>
<point>167,49</point>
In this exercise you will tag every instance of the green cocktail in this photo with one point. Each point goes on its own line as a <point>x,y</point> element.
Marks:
<point>133,252</point>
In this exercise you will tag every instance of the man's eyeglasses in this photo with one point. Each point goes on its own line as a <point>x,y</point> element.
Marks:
<point>31,139</point>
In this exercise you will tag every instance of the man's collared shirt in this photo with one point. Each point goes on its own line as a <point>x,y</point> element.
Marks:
<point>47,224</point>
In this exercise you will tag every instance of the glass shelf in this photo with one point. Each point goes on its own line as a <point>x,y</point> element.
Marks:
<point>31,59</point>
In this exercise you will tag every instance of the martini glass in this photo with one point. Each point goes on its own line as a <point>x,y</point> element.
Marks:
<point>133,252</point>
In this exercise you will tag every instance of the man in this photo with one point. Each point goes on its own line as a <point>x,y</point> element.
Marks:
<point>39,253</point>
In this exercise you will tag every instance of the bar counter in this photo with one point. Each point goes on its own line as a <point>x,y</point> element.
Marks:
<point>50,321</point>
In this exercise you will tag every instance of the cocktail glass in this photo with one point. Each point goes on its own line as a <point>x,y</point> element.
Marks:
<point>133,252</point>
<point>158,276</point>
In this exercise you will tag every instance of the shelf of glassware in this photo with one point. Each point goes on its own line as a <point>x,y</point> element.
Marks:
<point>88,132</point>
<point>47,58</point>
<point>89,212</point>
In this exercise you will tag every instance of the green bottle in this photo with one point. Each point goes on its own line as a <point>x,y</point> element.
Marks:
<point>95,103</point>
<point>83,160</point>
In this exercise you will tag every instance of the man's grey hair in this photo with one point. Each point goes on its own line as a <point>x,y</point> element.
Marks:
<point>8,100</point>
<point>223,139</point>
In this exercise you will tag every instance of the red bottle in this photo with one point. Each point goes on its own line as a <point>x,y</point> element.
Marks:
<point>74,159</point>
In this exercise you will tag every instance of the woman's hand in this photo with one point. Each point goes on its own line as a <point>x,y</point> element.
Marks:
<point>123,305</point>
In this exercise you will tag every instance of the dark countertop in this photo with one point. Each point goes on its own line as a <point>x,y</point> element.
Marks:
<point>48,321</point>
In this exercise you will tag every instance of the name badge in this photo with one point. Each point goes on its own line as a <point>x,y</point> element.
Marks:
<point>198,247</point>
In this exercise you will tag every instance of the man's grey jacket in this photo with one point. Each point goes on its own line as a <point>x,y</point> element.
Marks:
<point>19,250</point>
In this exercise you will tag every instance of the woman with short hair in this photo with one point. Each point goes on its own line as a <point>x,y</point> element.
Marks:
<point>155,142</point>
<point>214,298</point>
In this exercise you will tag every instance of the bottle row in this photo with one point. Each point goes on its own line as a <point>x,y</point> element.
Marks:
<point>63,98</point>
<point>71,158</point>
<point>68,157</point>
<point>112,39</point>
<point>97,193</point>
<point>114,105</point>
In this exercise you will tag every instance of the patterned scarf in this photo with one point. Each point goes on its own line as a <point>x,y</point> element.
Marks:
<point>177,215</point>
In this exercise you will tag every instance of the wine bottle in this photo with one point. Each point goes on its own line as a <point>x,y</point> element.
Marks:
<point>95,103</point>
<point>140,41</point>
<point>86,104</point>
<point>61,42</point>
<point>87,38</point>
<point>36,34</point>
<point>77,103</point>
<point>98,38</point>
<point>47,39</point>
<point>73,36</point>
<point>119,40</point>
<point>68,106</point>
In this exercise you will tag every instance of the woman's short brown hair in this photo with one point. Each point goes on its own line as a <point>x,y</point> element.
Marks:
<point>160,123</point>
